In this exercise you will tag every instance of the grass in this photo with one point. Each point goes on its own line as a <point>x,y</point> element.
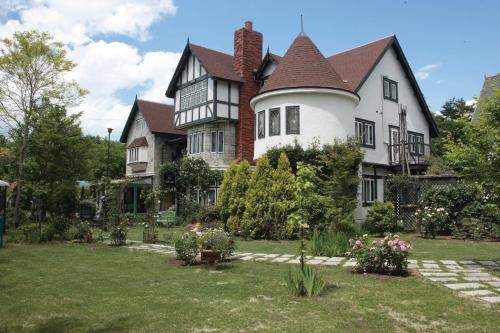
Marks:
<point>423,248</point>
<point>97,288</point>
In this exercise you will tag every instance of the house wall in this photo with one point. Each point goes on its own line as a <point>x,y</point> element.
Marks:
<point>147,154</point>
<point>325,115</point>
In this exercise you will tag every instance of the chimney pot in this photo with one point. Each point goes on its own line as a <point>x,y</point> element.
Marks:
<point>248,25</point>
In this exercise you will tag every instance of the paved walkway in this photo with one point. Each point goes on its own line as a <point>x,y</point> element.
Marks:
<point>467,277</point>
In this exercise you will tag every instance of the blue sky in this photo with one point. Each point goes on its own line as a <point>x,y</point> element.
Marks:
<point>450,45</point>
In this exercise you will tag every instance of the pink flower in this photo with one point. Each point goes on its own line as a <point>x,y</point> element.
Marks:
<point>376,259</point>
<point>396,236</point>
<point>358,242</point>
<point>402,247</point>
<point>390,243</point>
<point>382,241</point>
<point>372,249</point>
<point>374,242</point>
<point>394,248</point>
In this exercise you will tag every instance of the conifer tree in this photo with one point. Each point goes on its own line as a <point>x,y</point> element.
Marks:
<point>237,202</point>
<point>257,219</point>
<point>225,192</point>
<point>282,197</point>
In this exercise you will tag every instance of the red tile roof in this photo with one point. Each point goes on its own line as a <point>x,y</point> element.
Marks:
<point>138,142</point>
<point>216,63</point>
<point>159,117</point>
<point>354,65</point>
<point>303,65</point>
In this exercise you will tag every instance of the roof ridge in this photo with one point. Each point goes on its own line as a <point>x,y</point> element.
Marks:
<point>147,101</point>
<point>207,48</point>
<point>362,45</point>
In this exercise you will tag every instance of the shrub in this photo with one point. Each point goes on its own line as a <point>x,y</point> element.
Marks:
<point>432,221</point>
<point>83,232</point>
<point>380,218</point>
<point>132,219</point>
<point>218,240</point>
<point>186,247</point>
<point>118,235</point>
<point>57,228</point>
<point>329,243</point>
<point>209,217</point>
<point>387,256</point>
<point>29,233</point>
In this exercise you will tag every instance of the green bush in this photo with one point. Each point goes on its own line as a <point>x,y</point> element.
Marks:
<point>218,240</point>
<point>132,219</point>
<point>329,243</point>
<point>209,217</point>
<point>387,256</point>
<point>186,247</point>
<point>83,232</point>
<point>304,281</point>
<point>380,218</point>
<point>57,228</point>
<point>29,233</point>
<point>118,235</point>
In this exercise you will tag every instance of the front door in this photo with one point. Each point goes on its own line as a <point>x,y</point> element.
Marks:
<point>394,144</point>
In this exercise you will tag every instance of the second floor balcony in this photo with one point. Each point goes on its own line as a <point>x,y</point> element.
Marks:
<point>415,154</point>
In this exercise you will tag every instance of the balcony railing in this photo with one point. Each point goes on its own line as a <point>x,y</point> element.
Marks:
<point>416,153</point>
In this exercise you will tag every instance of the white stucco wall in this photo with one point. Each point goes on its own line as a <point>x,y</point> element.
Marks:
<point>325,114</point>
<point>146,154</point>
<point>384,112</point>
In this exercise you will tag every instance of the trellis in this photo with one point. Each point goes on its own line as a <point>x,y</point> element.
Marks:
<point>406,199</point>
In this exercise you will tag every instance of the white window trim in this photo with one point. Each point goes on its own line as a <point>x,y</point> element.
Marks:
<point>370,196</point>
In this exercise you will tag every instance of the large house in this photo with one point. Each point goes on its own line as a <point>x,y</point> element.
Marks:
<point>151,141</point>
<point>238,106</point>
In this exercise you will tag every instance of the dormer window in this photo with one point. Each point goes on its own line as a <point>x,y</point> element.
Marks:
<point>390,89</point>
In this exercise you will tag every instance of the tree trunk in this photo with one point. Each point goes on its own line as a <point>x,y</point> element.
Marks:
<point>20,178</point>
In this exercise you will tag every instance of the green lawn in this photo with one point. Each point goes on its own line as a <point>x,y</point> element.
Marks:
<point>97,288</point>
<point>423,248</point>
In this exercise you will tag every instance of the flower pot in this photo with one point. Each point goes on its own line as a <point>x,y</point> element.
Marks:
<point>211,256</point>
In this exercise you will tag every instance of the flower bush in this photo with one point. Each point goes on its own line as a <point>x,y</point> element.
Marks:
<point>432,220</point>
<point>83,232</point>
<point>386,256</point>
<point>186,247</point>
<point>118,235</point>
<point>217,240</point>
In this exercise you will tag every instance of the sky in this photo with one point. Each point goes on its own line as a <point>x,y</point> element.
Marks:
<point>125,48</point>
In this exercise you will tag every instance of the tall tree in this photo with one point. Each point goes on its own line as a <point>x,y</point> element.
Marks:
<point>226,192</point>
<point>237,201</point>
<point>283,195</point>
<point>97,158</point>
<point>32,69</point>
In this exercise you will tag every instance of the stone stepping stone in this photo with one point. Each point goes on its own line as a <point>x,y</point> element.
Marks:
<point>258,254</point>
<point>481,278</point>
<point>336,258</point>
<point>350,263</point>
<point>280,259</point>
<point>487,263</point>
<point>477,292</point>
<point>271,256</point>
<point>494,284</point>
<point>431,266</point>
<point>244,254</point>
<point>412,266</point>
<point>477,274</point>
<point>467,262</point>
<point>294,261</point>
<point>261,259</point>
<point>444,279</point>
<point>321,258</point>
<point>458,286</point>
<point>438,274</point>
<point>494,299</point>
<point>288,255</point>
<point>315,262</point>
<point>453,267</point>
<point>465,270</point>
<point>330,263</point>
<point>412,261</point>
<point>430,269</point>
<point>247,258</point>
<point>449,262</point>
<point>429,261</point>
<point>473,267</point>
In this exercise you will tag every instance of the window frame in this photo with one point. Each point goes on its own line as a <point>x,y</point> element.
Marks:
<point>390,83</point>
<point>288,112</point>
<point>261,115</point>
<point>278,112</point>
<point>371,183</point>
<point>220,147</point>
<point>364,124</point>
<point>416,147</point>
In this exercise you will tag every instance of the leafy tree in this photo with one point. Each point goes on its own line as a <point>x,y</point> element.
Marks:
<point>54,163</point>
<point>282,196</point>
<point>226,192</point>
<point>97,158</point>
<point>257,220</point>
<point>32,69</point>
<point>237,201</point>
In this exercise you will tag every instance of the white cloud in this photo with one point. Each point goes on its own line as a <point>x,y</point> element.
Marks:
<point>424,72</point>
<point>471,102</point>
<point>440,81</point>
<point>75,22</point>
<point>104,68</point>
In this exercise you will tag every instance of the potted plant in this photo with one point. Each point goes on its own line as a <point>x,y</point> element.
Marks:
<point>215,245</point>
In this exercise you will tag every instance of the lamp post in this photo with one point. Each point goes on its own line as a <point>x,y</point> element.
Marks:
<point>105,221</point>
<point>109,139</point>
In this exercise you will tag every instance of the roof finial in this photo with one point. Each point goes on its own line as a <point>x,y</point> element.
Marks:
<point>188,39</point>
<point>301,25</point>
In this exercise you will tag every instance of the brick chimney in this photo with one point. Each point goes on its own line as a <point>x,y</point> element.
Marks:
<point>247,58</point>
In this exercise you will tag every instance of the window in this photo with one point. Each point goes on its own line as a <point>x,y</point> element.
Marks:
<point>416,143</point>
<point>213,192</point>
<point>292,120</point>
<point>217,142</point>
<point>390,90</point>
<point>274,122</point>
<point>368,190</point>
<point>133,154</point>
<point>196,142</point>
<point>194,94</point>
<point>365,132</point>
<point>261,124</point>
